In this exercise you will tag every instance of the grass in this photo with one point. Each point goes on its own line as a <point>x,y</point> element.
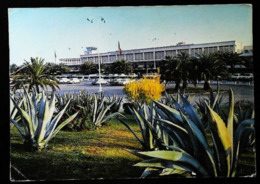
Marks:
<point>89,155</point>
<point>80,155</point>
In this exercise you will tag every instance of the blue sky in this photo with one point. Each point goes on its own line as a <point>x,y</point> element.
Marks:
<point>39,32</point>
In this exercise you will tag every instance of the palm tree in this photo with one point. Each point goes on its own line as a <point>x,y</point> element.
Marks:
<point>53,68</point>
<point>13,68</point>
<point>88,68</point>
<point>35,76</point>
<point>170,69</point>
<point>231,59</point>
<point>210,66</point>
<point>184,59</point>
<point>122,66</point>
<point>193,71</point>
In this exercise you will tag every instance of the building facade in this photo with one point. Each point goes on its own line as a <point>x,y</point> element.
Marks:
<point>151,56</point>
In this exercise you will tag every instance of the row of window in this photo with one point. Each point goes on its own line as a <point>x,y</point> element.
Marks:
<point>150,55</point>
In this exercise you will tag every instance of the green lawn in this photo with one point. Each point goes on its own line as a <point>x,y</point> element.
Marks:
<point>89,155</point>
<point>80,155</point>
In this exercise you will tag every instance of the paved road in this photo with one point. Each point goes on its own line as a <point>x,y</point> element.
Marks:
<point>245,92</point>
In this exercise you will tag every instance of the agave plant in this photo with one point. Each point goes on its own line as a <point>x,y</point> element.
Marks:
<point>117,104</point>
<point>190,151</point>
<point>38,126</point>
<point>97,112</point>
<point>13,109</point>
<point>152,135</point>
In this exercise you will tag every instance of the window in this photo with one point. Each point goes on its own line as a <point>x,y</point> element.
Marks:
<point>138,56</point>
<point>130,57</point>
<point>112,58</point>
<point>104,59</point>
<point>171,53</point>
<point>183,50</point>
<point>148,56</point>
<point>159,55</point>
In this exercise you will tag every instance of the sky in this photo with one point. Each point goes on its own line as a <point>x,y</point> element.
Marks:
<point>42,32</point>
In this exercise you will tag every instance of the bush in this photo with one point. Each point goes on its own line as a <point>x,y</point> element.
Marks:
<point>145,90</point>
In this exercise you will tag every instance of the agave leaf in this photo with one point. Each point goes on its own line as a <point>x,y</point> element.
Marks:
<point>191,133</point>
<point>177,156</point>
<point>101,116</point>
<point>52,134</point>
<point>247,130</point>
<point>31,112</point>
<point>170,171</point>
<point>25,125</point>
<point>111,115</point>
<point>95,108</point>
<point>192,114</point>
<point>173,125</point>
<point>230,127</point>
<point>133,132</point>
<point>220,132</point>
<point>148,171</point>
<point>180,141</point>
<point>48,112</point>
<point>198,135</point>
<point>141,124</point>
<point>174,114</point>
<point>18,127</point>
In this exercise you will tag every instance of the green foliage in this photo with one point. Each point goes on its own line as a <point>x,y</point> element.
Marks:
<point>34,76</point>
<point>122,66</point>
<point>52,68</point>
<point>88,68</point>
<point>178,142</point>
<point>38,125</point>
<point>118,102</point>
<point>96,113</point>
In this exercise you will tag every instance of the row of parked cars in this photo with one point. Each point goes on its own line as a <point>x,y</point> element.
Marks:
<point>114,82</point>
<point>238,76</point>
<point>70,79</point>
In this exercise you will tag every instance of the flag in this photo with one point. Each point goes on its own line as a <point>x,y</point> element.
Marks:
<point>119,49</point>
<point>55,54</point>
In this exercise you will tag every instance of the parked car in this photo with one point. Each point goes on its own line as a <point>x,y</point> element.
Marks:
<point>246,76</point>
<point>64,80</point>
<point>235,76</point>
<point>99,81</point>
<point>74,80</point>
<point>120,81</point>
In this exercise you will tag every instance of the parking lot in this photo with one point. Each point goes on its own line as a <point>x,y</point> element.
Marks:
<point>242,91</point>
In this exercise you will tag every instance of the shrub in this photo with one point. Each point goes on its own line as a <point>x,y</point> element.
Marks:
<point>38,126</point>
<point>145,90</point>
<point>176,142</point>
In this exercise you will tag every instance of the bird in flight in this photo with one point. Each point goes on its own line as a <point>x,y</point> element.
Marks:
<point>102,19</point>
<point>91,20</point>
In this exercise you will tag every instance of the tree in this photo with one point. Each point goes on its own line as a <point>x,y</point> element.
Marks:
<point>13,68</point>
<point>52,68</point>
<point>184,60</point>
<point>193,71</point>
<point>122,66</point>
<point>171,70</point>
<point>35,76</point>
<point>210,66</point>
<point>231,59</point>
<point>88,68</point>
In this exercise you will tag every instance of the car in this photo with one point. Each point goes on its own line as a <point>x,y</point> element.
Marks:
<point>235,76</point>
<point>120,81</point>
<point>99,81</point>
<point>64,80</point>
<point>74,80</point>
<point>246,76</point>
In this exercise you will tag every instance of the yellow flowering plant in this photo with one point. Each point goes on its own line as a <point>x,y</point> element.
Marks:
<point>145,90</point>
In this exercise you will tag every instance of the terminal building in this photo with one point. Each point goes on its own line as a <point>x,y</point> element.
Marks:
<point>150,57</point>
